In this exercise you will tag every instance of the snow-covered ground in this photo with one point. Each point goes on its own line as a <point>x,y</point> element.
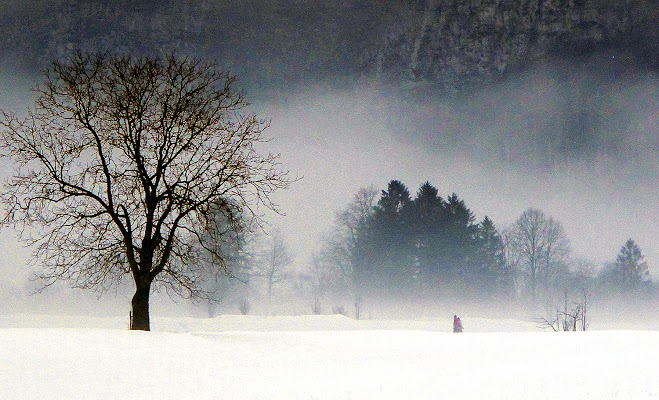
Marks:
<point>319,357</point>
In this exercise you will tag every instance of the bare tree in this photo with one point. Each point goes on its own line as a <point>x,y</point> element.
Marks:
<point>124,163</point>
<point>332,265</point>
<point>512,256</point>
<point>234,239</point>
<point>537,244</point>
<point>357,212</point>
<point>275,258</point>
<point>526,240</point>
<point>555,250</point>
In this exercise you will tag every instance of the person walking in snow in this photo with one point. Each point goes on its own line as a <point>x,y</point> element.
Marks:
<point>457,324</point>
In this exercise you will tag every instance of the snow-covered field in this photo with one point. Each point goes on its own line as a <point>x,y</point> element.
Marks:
<point>319,357</point>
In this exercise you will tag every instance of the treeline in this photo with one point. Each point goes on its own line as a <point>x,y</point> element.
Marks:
<point>393,244</point>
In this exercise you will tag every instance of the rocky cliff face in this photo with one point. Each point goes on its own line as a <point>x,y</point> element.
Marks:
<point>280,42</point>
<point>454,41</point>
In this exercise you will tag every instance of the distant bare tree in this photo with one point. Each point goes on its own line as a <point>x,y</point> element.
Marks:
<point>122,167</point>
<point>357,212</point>
<point>244,306</point>
<point>332,266</point>
<point>512,256</point>
<point>234,239</point>
<point>272,268</point>
<point>316,308</point>
<point>539,245</point>
<point>555,250</point>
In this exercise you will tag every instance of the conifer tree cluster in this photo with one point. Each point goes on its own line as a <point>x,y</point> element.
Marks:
<point>426,243</point>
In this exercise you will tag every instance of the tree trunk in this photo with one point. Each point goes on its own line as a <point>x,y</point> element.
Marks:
<point>140,308</point>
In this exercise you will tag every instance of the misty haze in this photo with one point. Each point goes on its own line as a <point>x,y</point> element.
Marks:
<point>399,164</point>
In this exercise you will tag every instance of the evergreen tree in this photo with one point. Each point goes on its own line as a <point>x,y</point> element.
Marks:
<point>394,200</point>
<point>429,232</point>
<point>460,244</point>
<point>631,267</point>
<point>384,247</point>
<point>491,274</point>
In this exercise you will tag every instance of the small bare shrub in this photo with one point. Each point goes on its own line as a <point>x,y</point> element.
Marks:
<point>568,319</point>
<point>340,310</point>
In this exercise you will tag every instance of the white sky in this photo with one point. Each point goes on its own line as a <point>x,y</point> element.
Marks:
<point>339,142</point>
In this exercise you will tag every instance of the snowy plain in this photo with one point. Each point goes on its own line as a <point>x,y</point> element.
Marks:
<point>319,357</point>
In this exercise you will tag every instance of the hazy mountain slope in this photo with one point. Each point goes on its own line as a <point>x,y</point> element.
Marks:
<point>452,41</point>
<point>282,42</point>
